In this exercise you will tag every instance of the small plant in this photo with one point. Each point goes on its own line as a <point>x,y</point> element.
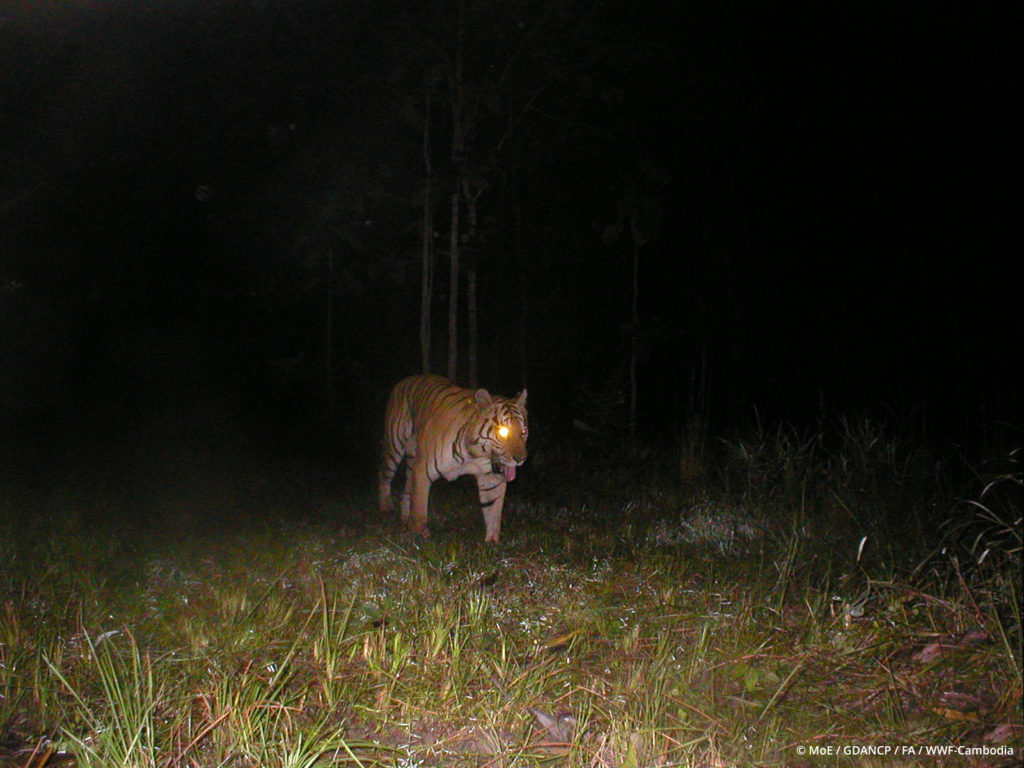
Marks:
<point>119,728</point>
<point>986,554</point>
<point>998,512</point>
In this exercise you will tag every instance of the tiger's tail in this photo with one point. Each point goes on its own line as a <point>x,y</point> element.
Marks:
<point>397,432</point>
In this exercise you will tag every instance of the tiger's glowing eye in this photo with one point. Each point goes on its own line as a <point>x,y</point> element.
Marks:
<point>503,431</point>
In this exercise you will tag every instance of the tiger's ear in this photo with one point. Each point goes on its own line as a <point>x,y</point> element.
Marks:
<point>482,398</point>
<point>521,400</point>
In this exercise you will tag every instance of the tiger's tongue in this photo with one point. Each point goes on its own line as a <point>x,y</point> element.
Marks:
<point>510,471</point>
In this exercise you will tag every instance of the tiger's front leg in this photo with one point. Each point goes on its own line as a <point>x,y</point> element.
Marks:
<point>492,499</point>
<point>416,496</point>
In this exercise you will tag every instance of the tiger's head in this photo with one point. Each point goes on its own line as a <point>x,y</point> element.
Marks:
<point>502,430</point>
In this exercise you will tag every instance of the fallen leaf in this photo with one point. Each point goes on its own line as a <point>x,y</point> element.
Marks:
<point>560,727</point>
<point>1001,733</point>
<point>955,714</point>
<point>561,640</point>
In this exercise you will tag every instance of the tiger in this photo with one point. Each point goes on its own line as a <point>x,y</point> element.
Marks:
<point>441,430</point>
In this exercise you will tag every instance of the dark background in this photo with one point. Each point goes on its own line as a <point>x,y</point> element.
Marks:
<point>825,193</point>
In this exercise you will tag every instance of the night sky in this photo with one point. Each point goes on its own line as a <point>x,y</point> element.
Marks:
<point>821,193</point>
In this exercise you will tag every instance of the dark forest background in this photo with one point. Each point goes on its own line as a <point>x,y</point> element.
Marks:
<point>818,198</point>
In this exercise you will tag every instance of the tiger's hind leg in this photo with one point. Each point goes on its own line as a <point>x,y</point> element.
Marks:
<point>492,499</point>
<point>388,468</point>
<point>386,502</point>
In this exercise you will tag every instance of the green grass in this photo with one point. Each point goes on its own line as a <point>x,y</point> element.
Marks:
<point>621,623</point>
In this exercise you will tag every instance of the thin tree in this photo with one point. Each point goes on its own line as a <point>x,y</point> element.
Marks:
<point>456,88</point>
<point>471,194</point>
<point>328,381</point>
<point>453,291</point>
<point>494,95</point>
<point>642,213</point>
<point>427,255</point>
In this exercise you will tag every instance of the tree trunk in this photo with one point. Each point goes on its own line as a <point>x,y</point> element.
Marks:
<point>524,313</point>
<point>329,340</point>
<point>634,329</point>
<point>427,274</point>
<point>457,92</point>
<point>694,416</point>
<point>453,293</point>
<point>471,309</point>
<point>427,279</point>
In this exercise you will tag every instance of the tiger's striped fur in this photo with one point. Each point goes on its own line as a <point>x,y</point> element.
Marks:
<point>441,430</point>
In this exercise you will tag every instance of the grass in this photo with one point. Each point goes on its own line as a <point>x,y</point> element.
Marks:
<point>781,620</point>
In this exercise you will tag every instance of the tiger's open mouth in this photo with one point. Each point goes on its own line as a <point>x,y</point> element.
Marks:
<point>507,469</point>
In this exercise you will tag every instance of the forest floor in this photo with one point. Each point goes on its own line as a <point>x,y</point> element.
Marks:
<point>645,625</point>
